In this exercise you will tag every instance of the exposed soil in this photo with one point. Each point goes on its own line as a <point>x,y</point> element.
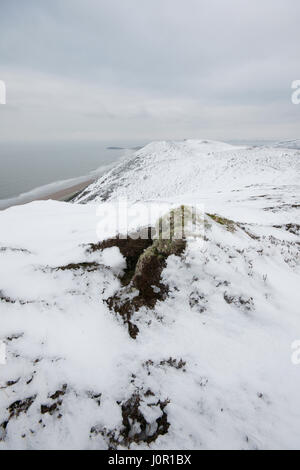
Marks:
<point>131,415</point>
<point>147,276</point>
<point>135,428</point>
<point>131,247</point>
<point>145,260</point>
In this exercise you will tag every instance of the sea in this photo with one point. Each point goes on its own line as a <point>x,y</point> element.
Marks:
<point>32,170</point>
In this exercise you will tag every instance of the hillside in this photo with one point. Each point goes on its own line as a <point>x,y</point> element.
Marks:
<point>291,144</point>
<point>195,168</point>
<point>196,356</point>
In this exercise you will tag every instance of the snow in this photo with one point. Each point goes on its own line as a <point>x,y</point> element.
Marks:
<point>228,323</point>
<point>198,168</point>
<point>292,144</point>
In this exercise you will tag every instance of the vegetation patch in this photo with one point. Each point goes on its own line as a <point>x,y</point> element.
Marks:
<point>250,234</point>
<point>135,427</point>
<point>14,336</point>
<point>14,250</point>
<point>146,258</point>
<point>20,406</point>
<point>85,266</point>
<point>59,393</point>
<point>53,408</point>
<point>10,383</point>
<point>171,362</point>
<point>125,308</point>
<point>9,300</point>
<point>227,223</point>
<point>146,252</point>
<point>134,419</point>
<point>131,247</point>
<point>147,276</point>
<point>95,396</point>
<point>282,207</point>
<point>292,228</point>
<point>197,301</point>
<point>6,299</point>
<point>239,301</point>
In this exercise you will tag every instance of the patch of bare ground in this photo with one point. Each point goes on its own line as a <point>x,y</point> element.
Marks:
<point>246,303</point>
<point>131,247</point>
<point>15,409</point>
<point>282,207</point>
<point>292,228</point>
<point>9,300</point>
<point>178,364</point>
<point>146,252</point>
<point>4,249</point>
<point>135,428</point>
<point>142,286</point>
<point>85,266</point>
<point>51,407</point>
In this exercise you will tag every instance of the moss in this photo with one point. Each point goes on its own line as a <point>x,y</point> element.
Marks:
<point>147,277</point>
<point>227,223</point>
<point>146,259</point>
<point>162,249</point>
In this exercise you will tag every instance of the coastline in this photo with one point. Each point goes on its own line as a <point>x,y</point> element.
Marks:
<point>66,189</point>
<point>64,194</point>
<point>68,193</point>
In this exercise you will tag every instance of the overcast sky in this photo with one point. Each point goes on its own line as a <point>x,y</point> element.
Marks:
<point>140,70</point>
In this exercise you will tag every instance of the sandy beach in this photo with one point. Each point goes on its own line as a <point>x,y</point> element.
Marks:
<point>67,193</point>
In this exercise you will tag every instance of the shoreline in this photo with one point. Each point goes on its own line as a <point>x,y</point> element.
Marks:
<point>64,195</point>
<point>68,193</point>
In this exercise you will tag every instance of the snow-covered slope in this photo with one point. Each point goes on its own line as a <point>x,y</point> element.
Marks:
<point>290,144</point>
<point>211,364</point>
<point>166,169</point>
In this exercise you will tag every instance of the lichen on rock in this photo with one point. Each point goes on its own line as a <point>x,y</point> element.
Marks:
<point>146,259</point>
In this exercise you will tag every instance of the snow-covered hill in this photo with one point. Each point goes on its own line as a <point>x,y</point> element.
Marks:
<point>290,144</point>
<point>91,364</point>
<point>165,169</point>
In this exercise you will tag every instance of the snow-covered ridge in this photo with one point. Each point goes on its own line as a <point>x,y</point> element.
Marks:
<point>289,144</point>
<point>168,169</point>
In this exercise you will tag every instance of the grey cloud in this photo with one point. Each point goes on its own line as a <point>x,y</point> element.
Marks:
<point>69,64</point>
